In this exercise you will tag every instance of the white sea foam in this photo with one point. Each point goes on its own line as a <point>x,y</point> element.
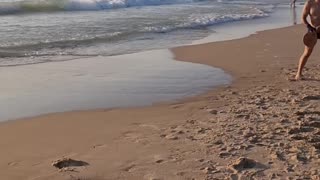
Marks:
<point>209,19</point>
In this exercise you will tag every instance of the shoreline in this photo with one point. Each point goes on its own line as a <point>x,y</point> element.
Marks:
<point>262,116</point>
<point>132,80</point>
<point>280,18</point>
<point>255,26</point>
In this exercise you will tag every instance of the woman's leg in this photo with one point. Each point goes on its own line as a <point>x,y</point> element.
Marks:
<point>303,60</point>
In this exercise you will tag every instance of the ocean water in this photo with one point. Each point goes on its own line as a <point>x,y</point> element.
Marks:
<point>65,55</point>
<point>37,31</point>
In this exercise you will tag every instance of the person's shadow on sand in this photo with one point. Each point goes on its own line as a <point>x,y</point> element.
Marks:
<point>304,79</point>
<point>310,79</point>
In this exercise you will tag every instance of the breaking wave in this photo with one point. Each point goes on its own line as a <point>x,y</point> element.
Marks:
<point>29,6</point>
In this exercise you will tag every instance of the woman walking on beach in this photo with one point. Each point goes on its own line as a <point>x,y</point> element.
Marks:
<point>293,3</point>
<point>311,9</point>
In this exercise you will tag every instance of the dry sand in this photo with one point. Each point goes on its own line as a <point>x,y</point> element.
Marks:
<point>263,126</point>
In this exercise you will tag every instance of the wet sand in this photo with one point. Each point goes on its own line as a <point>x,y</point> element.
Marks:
<point>131,80</point>
<point>262,126</point>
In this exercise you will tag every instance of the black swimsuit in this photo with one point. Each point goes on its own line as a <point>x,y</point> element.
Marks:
<point>318,33</point>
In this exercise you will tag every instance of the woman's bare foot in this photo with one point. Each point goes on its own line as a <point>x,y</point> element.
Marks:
<point>298,77</point>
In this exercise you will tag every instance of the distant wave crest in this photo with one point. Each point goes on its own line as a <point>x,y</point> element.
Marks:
<point>204,20</point>
<point>29,6</point>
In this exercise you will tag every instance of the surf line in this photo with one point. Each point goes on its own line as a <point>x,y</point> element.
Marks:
<point>102,6</point>
<point>99,4</point>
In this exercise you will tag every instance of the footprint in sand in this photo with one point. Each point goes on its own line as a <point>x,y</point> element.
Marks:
<point>243,163</point>
<point>152,177</point>
<point>129,168</point>
<point>174,133</point>
<point>159,158</point>
<point>150,126</point>
<point>99,146</point>
<point>132,137</point>
<point>14,163</point>
<point>68,164</point>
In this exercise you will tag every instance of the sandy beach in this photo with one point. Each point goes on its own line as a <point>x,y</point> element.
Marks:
<point>262,126</point>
